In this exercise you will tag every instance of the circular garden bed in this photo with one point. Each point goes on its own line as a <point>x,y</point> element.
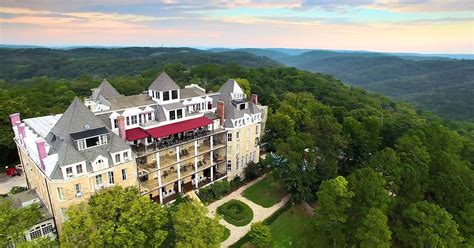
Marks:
<point>236,212</point>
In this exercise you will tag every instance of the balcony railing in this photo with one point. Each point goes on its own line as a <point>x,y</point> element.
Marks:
<point>174,140</point>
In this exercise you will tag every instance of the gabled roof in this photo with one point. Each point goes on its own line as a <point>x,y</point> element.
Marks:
<point>76,118</point>
<point>105,90</point>
<point>163,83</point>
<point>231,86</point>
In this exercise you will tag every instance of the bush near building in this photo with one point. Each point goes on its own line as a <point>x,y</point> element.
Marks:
<point>236,212</point>
<point>219,189</point>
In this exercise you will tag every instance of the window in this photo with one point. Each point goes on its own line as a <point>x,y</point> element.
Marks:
<point>124,174</point>
<point>166,95</point>
<point>237,135</point>
<point>91,142</point>
<point>229,137</point>
<point>117,158</point>
<point>78,188</point>
<point>81,144</point>
<point>104,139</point>
<point>174,94</point>
<point>229,166</point>
<point>242,106</point>
<point>98,180</point>
<point>172,115</point>
<point>60,193</point>
<point>63,214</point>
<point>111,177</point>
<point>179,113</point>
<point>141,118</point>
<point>125,156</point>
<point>79,168</point>
<point>134,119</point>
<point>157,94</point>
<point>128,120</point>
<point>68,170</point>
<point>35,233</point>
<point>209,105</point>
<point>149,116</point>
<point>115,123</point>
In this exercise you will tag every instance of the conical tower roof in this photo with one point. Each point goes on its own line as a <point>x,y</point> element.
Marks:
<point>163,83</point>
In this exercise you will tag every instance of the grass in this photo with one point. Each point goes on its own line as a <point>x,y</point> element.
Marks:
<point>266,192</point>
<point>236,212</point>
<point>289,226</point>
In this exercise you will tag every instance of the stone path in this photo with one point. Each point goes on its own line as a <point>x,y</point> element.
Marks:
<point>259,213</point>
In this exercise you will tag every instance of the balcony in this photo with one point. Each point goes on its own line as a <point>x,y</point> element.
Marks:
<point>175,140</point>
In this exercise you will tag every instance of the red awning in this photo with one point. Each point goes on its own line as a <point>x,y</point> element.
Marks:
<point>170,129</point>
<point>136,134</point>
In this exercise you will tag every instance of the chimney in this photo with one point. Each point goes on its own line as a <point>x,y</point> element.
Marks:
<point>121,127</point>
<point>220,111</point>
<point>255,99</point>
<point>21,129</point>
<point>40,145</point>
<point>14,118</point>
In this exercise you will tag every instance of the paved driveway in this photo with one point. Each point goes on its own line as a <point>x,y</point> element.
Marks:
<point>259,213</point>
<point>6,183</point>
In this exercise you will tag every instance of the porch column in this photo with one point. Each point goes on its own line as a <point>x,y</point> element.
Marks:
<point>161,195</point>
<point>196,182</point>
<point>179,168</point>
<point>159,168</point>
<point>212,173</point>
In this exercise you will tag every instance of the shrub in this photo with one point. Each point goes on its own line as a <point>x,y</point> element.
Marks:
<point>214,191</point>
<point>252,171</point>
<point>260,234</point>
<point>17,189</point>
<point>236,183</point>
<point>236,212</point>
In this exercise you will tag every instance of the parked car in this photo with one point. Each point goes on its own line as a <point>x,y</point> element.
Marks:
<point>13,171</point>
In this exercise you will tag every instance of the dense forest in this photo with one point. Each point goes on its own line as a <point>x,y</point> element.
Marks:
<point>443,86</point>
<point>362,157</point>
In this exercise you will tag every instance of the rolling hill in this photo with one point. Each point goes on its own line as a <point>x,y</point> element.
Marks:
<point>18,64</point>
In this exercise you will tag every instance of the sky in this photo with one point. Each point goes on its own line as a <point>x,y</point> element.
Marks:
<point>422,26</point>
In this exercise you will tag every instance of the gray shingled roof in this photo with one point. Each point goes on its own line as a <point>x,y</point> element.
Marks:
<point>116,144</point>
<point>105,90</point>
<point>230,110</point>
<point>191,92</point>
<point>74,120</point>
<point>160,114</point>
<point>163,83</point>
<point>174,105</point>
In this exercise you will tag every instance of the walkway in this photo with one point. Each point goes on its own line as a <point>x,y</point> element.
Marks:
<point>259,213</point>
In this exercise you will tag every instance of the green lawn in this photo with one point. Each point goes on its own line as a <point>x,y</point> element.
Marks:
<point>266,192</point>
<point>291,228</point>
<point>236,212</point>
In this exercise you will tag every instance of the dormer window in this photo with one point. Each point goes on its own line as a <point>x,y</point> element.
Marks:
<point>86,143</point>
<point>174,94</point>
<point>166,95</point>
<point>87,127</point>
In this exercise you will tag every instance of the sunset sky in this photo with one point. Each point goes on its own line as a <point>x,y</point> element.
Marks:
<point>394,26</point>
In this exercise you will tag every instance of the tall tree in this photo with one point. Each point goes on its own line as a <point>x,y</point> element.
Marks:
<point>373,231</point>
<point>260,234</point>
<point>425,224</point>
<point>15,221</point>
<point>387,163</point>
<point>369,191</point>
<point>193,228</point>
<point>334,199</point>
<point>115,217</point>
